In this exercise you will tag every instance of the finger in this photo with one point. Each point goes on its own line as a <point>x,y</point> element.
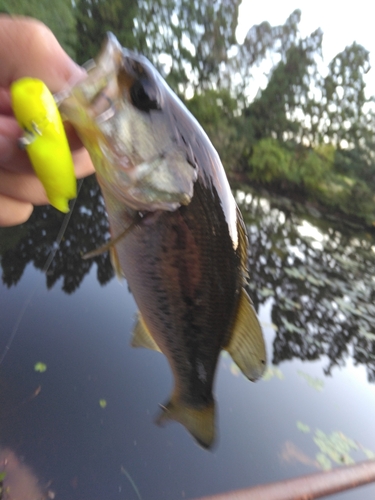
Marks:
<point>14,159</point>
<point>13,211</point>
<point>82,163</point>
<point>29,48</point>
<point>20,163</point>
<point>5,102</point>
<point>9,135</point>
<point>24,187</point>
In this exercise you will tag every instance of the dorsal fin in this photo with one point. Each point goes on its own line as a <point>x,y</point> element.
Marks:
<point>246,345</point>
<point>142,337</point>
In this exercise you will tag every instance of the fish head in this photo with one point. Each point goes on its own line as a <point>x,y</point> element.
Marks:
<point>125,114</point>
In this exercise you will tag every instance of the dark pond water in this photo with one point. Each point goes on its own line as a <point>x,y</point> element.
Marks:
<point>83,428</point>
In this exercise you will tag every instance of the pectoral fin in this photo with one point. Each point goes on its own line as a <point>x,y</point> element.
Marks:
<point>142,337</point>
<point>200,422</point>
<point>116,263</point>
<point>246,345</point>
<point>111,243</point>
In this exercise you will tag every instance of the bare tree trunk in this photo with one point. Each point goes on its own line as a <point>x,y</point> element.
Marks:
<point>307,487</point>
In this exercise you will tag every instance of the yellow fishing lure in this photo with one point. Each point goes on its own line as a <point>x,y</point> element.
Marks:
<point>45,140</point>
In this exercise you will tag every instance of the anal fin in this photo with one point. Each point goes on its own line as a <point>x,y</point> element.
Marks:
<point>246,345</point>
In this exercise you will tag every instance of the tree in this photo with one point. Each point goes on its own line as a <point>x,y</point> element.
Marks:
<point>186,41</point>
<point>216,111</point>
<point>261,42</point>
<point>349,121</point>
<point>96,17</point>
<point>193,37</point>
<point>285,109</point>
<point>344,94</point>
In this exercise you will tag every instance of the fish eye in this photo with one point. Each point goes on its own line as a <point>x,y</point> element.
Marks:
<point>144,95</point>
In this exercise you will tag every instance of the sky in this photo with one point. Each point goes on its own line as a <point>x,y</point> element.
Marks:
<point>342,23</point>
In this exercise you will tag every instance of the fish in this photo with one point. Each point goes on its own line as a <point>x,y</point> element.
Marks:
<point>45,140</point>
<point>178,237</point>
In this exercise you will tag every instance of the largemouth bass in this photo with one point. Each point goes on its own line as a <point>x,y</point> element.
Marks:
<point>177,235</point>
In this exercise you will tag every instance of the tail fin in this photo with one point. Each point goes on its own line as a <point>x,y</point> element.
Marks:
<point>199,422</point>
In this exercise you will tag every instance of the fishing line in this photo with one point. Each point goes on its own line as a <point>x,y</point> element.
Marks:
<point>131,481</point>
<point>45,268</point>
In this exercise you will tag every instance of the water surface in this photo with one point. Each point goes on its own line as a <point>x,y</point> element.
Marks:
<point>84,426</point>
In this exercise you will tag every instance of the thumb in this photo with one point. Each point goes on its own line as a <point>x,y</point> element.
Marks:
<point>29,48</point>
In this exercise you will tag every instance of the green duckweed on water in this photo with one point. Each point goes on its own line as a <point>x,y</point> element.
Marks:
<point>303,427</point>
<point>336,448</point>
<point>314,382</point>
<point>40,367</point>
<point>272,372</point>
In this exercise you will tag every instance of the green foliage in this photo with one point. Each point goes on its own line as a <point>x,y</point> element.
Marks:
<point>188,43</point>
<point>195,37</point>
<point>362,200</point>
<point>279,110</point>
<point>270,162</point>
<point>315,166</point>
<point>96,17</point>
<point>344,93</point>
<point>273,162</point>
<point>303,133</point>
<point>217,112</point>
<point>261,41</point>
<point>311,172</point>
<point>350,195</point>
<point>56,14</point>
<point>308,132</point>
<point>355,163</point>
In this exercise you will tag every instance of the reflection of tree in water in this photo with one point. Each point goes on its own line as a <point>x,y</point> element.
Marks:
<point>87,230</point>
<point>322,290</point>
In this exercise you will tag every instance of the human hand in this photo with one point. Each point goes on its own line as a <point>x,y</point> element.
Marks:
<point>28,48</point>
